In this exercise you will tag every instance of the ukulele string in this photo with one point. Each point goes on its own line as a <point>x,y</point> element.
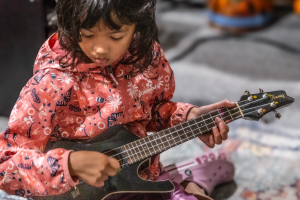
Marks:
<point>194,130</point>
<point>173,137</point>
<point>174,140</point>
<point>193,124</point>
<point>229,109</point>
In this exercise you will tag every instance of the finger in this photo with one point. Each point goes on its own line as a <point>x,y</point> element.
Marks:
<point>211,141</point>
<point>223,130</point>
<point>101,179</point>
<point>205,139</point>
<point>114,163</point>
<point>111,171</point>
<point>217,136</point>
<point>92,180</point>
<point>98,184</point>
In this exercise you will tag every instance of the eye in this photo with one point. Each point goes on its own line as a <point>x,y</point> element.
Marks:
<point>87,36</point>
<point>116,39</point>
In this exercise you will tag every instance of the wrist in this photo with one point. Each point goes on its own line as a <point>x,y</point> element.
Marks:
<point>70,164</point>
<point>192,113</point>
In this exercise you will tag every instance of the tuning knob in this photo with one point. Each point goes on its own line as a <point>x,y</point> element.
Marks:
<point>246,93</point>
<point>277,115</point>
<point>261,111</point>
<point>265,96</point>
<point>273,104</point>
<point>261,90</point>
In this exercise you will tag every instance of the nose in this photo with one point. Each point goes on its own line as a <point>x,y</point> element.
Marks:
<point>100,49</point>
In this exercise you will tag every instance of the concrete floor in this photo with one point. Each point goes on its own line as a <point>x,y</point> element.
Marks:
<point>210,66</point>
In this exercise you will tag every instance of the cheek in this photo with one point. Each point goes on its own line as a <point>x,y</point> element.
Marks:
<point>85,47</point>
<point>120,48</point>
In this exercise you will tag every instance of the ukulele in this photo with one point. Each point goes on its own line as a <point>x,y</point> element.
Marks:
<point>133,152</point>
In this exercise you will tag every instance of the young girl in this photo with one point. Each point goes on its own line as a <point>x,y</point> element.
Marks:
<point>103,67</point>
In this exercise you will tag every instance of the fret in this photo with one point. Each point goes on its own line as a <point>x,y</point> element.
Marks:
<point>175,135</point>
<point>133,148</point>
<point>130,150</point>
<point>145,147</point>
<point>158,141</point>
<point>170,138</point>
<point>188,130</point>
<point>181,133</point>
<point>164,139</point>
<point>229,113</point>
<point>213,120</point>
<point>220,114</point>
<point>150,147</point>
<point>201,124</point>
<point>197,126</point>
<point>234,113</point>
<point>225,114</point>
<point>154,143</point>
<point>204,122</point>
<point>162,147</point>
<point>238,115</point>
<point>195,129</point>
<point>136,149</point>
<point>208,120</point>
<point>127,154</point>
<point>211,117</point>
<point>141,149</point>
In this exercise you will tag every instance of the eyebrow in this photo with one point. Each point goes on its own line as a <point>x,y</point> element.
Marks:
<point>114,31</point>
<point>117,31</point>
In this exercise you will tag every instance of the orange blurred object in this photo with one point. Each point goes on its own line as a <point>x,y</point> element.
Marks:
<point>240,8</point>
<point>297,6</point>
<point>240,16</point>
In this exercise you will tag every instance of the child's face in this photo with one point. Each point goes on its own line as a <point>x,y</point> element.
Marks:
<point>103,45</point>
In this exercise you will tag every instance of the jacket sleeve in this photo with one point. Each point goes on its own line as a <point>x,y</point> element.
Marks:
<point>24,169</point>
<point>166,113</point>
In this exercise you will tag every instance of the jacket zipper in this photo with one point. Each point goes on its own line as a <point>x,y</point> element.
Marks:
<point>110,71</point>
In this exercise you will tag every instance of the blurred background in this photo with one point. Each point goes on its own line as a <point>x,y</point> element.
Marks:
<point>217,49</point>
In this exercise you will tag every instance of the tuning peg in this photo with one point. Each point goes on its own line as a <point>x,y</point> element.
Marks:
<point>246,93</point>
<point>278,115</point>
<point>261,90</point>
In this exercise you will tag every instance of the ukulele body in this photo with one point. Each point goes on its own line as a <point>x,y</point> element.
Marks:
<point>125,181</point>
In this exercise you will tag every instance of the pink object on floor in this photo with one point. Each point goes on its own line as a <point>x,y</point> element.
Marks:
<point>208,170</point>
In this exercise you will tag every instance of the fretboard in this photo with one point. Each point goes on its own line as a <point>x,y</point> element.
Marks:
<point>176,135</point>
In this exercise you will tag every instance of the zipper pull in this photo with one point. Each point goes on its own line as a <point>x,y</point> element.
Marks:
<point>110,71</point>
<point>75,193</point>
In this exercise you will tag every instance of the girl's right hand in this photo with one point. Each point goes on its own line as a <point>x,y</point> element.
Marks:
<point>92,167</point>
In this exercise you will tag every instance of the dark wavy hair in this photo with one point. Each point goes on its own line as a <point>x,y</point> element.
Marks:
<point>74,15</point>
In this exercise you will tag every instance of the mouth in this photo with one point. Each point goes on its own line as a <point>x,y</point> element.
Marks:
<point>101,61</point>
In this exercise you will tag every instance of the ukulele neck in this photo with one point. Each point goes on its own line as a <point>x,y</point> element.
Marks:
<point>176,135</point>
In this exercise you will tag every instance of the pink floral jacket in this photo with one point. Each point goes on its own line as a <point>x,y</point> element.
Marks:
<point>79,103</point>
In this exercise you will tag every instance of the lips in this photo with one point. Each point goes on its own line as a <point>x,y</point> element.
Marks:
<point>101,61</point>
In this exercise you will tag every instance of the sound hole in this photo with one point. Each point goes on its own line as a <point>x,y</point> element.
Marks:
<point>115,154</point>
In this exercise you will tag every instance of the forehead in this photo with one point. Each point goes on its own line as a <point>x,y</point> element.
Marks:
<point>109,23</point>
<point>101,26</point>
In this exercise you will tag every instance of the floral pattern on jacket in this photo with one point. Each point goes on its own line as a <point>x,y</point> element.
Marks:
<point>79,103</point>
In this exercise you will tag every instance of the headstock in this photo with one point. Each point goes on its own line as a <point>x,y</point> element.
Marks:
<point>254,106</point>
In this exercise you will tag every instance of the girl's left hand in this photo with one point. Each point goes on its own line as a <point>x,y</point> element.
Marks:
<point>218,133</point>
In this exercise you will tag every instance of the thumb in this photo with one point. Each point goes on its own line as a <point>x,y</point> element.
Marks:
<point>114,163</point>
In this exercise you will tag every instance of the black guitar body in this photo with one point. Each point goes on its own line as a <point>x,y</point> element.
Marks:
<point>126,181</point>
